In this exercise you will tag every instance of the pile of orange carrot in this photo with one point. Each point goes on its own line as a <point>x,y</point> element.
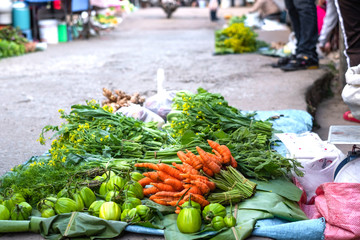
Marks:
<point>169,183</point>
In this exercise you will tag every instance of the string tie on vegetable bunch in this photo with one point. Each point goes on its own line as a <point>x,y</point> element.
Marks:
<point>232,187</point>
<point>107,164</point>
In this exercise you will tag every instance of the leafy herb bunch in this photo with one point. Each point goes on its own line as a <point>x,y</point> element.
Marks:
<point>91,129</point>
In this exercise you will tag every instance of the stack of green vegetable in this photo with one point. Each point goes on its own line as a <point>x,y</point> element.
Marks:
<point>236,38</point>
<point>190,218</point>
<point>11,42</point>
<point>14,206</point>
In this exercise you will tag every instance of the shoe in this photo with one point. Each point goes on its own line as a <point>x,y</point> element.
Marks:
<point>283,61</point>
<point>300,63</point>
<point>350,118</point>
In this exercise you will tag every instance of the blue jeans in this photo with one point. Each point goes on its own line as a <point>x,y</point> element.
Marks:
<point>303,16</point>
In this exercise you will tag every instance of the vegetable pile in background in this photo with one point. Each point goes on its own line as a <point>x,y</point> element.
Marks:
<point>12,43</point>
<point>236,38</point>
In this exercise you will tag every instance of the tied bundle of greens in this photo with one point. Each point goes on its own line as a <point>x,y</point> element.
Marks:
<point>90,129</point>
<point>235,187</point>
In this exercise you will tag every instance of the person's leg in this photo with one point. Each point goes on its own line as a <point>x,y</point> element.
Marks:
<point>294,18</point>
<point>349,16</point>
<point>296,28</point>
<point>307,41</point>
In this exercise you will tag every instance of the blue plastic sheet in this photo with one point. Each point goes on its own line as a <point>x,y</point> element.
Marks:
<point>144,230</point>
<point>282,230</point>
<point>289,121</point>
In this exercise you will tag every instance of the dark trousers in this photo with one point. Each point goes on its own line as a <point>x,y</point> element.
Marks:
<point>213,16</point>
<point>303,16</point>
<point>350,21</point>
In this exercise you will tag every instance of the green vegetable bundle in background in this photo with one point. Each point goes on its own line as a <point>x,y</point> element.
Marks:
<point>236,38</point>
<point>11,42</point>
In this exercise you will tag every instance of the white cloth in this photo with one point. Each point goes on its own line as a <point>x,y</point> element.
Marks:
<point>351,91</point>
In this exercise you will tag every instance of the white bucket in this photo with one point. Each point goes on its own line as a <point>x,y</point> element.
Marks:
<point>202,4</point>
<point>49,31</point>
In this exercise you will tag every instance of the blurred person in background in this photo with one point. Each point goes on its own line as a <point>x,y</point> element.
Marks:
<point>213,6</point>
<point>349,19</point>
<point>270,9</point>
<point>329,24</point>
<point>303,16</point>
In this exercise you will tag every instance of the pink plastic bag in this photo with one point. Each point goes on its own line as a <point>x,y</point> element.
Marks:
<point>339,204</point>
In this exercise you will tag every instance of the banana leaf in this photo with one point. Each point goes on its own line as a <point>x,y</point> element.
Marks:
<point>76,225</point>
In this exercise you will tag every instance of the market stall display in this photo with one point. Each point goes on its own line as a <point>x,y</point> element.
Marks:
<point>211,165</point>
<point>12,43</point>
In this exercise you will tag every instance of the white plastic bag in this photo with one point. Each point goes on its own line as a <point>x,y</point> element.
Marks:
<point>318,158</point>
<point>162,101</point>
<point>351,91</point>
<point>142,114</point>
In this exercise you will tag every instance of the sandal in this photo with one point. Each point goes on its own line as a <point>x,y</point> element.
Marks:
<point>349,118</point>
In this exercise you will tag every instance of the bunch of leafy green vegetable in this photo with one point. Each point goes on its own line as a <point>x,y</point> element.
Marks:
<point>40,177</point>
<point>90,129</point>
<point>236,38</point>
<point>205,115</point>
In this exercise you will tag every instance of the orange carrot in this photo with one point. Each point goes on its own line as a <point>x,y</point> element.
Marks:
<point>202,186</point>
<point>195,162</point>
<point>213,145</point>
<point>197,198</point>
<point>144,181</point>
<point>170,170</point>
<point>160,201</point>
<point>167,199</point>
<point>193,189</point>
<point>225,153</point>
<point>190,169</point>
<point>175,184</point>
<point>179,167</point>
<point>149,191</point>
<point>208,161</point>
<point>147,165</point>
<point>233,162</point>
<point>215,159</point>
<point>152,175</point>
<point>208,171</point>
<point>177,211</point>
<point>194,177</point>
<point>163,176</point>
<point>163,187</point>
<point>182,156</point>
<point>165,194</point>
<point>173,203</point>
<point>216,153</point>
